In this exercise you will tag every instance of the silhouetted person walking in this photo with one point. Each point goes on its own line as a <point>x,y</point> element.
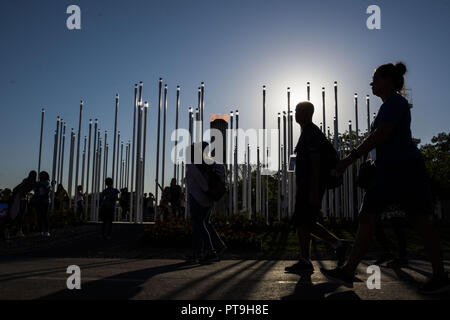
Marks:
<point>41,202</point>
<point>108,201</point>
<point>200,201</point>
<point>19,205</point>
<point>312,170</point>
<point>400,177</point>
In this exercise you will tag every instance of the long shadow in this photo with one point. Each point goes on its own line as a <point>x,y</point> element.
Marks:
<point>205,294</point>
<point>306,290</point>
<point>190,284</point>
<point>41,272</point>
<point>123,286</point>
<point>249,285</point>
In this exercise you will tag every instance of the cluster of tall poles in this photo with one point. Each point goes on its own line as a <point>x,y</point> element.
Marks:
<point>126,169</point>
<point>129,157</point>
<point>340,202</point>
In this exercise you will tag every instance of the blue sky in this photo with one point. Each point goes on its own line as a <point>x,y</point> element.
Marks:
<point>235,47</point>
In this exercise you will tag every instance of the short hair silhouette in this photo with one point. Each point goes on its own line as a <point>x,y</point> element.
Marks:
<point>109,182</point>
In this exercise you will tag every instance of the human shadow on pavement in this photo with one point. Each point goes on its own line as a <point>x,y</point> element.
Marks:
<point>122,286</point>
<point>306,290</point>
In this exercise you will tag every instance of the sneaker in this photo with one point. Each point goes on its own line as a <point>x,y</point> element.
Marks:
<point>341,252</point>
<point>436,285</point>
<point>302,265</point>
<point>209,258</point>
<point>397,263</point>
<point>337,275</point>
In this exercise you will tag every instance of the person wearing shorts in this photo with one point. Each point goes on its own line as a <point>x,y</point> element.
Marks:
<point>311,173</point>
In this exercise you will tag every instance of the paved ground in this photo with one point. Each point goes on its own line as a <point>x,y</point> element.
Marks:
<point>45,278</point>
<point>35,268</point>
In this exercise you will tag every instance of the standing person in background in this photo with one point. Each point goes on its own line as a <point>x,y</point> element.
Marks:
<point>79,199</point>
<point>61,198</point>
<point>151,206</point>
<point>108,199</point>
<point>400,178</point>
<point>41,201</point>
<point>175,197</point>
<point>200,200</point>
<point>124,203</point>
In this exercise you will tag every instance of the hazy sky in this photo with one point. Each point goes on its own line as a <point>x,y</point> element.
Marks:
<point>235,47</point>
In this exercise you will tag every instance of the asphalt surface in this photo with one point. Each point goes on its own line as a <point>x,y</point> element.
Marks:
<point>36,268</point>
<point>46,278</point>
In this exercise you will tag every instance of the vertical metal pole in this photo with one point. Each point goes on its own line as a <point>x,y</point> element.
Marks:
<point>128,166</point>
<point>368,113</point>
<point>144,153</point>
<point>308,90</point>
<point>62,154</point>
<point>235,187</point>
<point>198,130</point>
<point>284,152</point>
<point>258,184</point>
<point>164,137</point>
<point>231,152</point>
<point>323,111</point>
<point>83,165</point>
<point>336,123</point>
<point>133,154</point>
<point>77,169</point>
<point>58,170</point>
<point>191,132</point>
<point>121,165</point>
<point>114,140</point>
<point>87,169</point>
<point>138,162</point>
<point>94,158</point>
<point>279,168</point>
<point>264,209</point>
<point>105,161</point>
<point>40,140</point>
<point>356,118</point>
<point>69,191</point>
<point>249,189</point>
<point>55,152</point>
<point>176,134</point>
<point>157,149</point>
<point>350,174</point>
<point>202,105</point>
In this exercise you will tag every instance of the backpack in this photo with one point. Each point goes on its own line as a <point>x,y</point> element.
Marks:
<point>216,186</point>
<point>333,179</point>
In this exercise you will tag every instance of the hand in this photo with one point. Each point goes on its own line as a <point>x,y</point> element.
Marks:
<point>344,163</point>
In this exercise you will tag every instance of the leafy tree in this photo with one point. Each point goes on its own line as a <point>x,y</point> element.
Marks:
<point>437,161</point>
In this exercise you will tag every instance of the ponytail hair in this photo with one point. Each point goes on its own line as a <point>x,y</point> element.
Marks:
<point>395,72</point>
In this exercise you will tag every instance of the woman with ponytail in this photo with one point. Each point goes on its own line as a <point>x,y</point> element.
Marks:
<point>400,178</point>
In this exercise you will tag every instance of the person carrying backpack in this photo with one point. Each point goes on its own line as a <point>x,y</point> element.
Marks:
<point>314,161</point>
<point>108,201</point>
<point>205,184</point>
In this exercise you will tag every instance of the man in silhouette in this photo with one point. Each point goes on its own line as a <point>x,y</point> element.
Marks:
<point>311,171</point>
